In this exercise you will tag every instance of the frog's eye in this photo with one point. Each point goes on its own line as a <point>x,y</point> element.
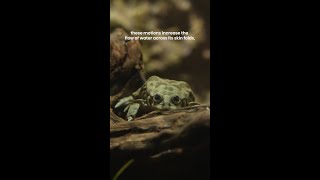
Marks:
<point>175,99</point>
<point>157,98</point>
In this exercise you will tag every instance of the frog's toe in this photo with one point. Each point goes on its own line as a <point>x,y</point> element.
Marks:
<point>126,109</point>
<point>118,104</point>
<point>124,101</point>
<point>130,118</point>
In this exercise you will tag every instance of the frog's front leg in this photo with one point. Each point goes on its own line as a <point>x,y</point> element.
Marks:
<point>131,106</point>
<point>132,110</point>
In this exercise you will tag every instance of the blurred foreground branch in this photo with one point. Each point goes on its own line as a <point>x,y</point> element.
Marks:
<point>158,132</point>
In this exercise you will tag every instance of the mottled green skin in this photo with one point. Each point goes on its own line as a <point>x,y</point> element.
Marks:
<point>158,93</point>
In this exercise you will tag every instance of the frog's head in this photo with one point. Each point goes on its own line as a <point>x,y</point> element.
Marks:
<point>169,94</point>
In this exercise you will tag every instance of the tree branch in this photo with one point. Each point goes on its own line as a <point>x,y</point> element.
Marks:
<point>161,131</point>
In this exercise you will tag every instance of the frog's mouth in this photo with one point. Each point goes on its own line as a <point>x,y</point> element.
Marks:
<point>166,107</point>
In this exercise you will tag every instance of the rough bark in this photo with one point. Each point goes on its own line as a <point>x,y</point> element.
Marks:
<point>159,132</point>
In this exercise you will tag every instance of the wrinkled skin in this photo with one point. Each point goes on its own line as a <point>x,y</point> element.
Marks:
<point>158,94</point>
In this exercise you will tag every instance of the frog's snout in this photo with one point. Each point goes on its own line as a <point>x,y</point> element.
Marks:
<point>168,106</point>
<point>165,107</point>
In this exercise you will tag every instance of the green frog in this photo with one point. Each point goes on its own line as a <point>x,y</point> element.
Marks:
<point>158,94</point>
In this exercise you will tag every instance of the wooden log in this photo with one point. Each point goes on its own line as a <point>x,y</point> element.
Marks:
<point>159,132</point>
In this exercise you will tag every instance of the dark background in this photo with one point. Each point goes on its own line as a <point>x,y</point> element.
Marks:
<point>187,61</point>
<point>55,100</point>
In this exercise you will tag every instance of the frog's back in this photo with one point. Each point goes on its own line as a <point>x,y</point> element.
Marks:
<point>156,84</point>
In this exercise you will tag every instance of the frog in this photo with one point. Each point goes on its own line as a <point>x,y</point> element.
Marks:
<point>158,94</point>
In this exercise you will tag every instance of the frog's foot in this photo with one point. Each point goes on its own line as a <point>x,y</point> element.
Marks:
<point>124,101</point>
<point>132,110</point>
<point>130,118</point>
